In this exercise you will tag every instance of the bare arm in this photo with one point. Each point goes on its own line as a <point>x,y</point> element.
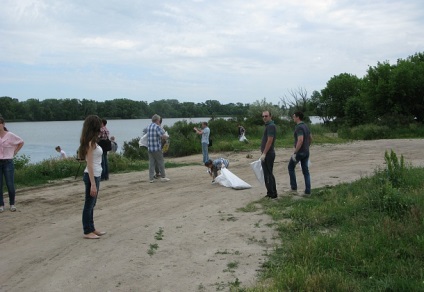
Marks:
<point>268,144</point>
<point>20,145</point>
<point>298,144</point>
<point>90,168</point>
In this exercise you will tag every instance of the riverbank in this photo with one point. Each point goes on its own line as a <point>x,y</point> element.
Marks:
<point>183,235</point>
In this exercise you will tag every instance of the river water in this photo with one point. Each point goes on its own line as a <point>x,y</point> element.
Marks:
<point>41,138</point>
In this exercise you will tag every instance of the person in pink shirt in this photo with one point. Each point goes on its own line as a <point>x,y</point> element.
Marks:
<point>10,144</point>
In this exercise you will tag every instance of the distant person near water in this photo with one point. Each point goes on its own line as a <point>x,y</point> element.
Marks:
<point>91,152</point>
<point>62,152</point>
<point>205,132</point>
<point>10,144</point>
<point>114,144</point>
<point>104,135</point>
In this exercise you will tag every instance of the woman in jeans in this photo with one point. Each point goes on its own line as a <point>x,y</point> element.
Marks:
<point>10,144</point>
<point>92,153</point>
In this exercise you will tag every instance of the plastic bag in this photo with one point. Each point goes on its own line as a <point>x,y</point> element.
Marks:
<point>257,169</point>
<point>143,141</point>
<point>230,180</point>
<point>242,138</point>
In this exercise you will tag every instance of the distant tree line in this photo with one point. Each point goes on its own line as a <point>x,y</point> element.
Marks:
<point>390,95</point>
<point>74,109</point>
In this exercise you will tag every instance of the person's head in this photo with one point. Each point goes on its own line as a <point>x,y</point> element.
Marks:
<point>209,163</point>
<point>298,116</point>
<point>204,124</point>
<point>104,122</point>
<point>58,148</point>
<point>2,123</point>
<point>266,116</point>
<point>156,119</point>
<point>89,134</point>
<point>112,138</point>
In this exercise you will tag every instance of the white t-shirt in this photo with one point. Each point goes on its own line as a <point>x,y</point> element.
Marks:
<point>97,161</point>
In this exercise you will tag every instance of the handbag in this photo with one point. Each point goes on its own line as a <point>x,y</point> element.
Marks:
<point>106,144</point>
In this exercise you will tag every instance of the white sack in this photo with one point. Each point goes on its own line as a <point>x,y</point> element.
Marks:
<point>243,138</point>
<point>230,180</point>
<point>257,169</point>
<point>143,141</point>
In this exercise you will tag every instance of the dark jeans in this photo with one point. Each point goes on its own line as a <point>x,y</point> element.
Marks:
<point>267,167</point>
<point>7,169</point>
<point>105,167</point>
<point>303,157</point>
<point>90,202</point>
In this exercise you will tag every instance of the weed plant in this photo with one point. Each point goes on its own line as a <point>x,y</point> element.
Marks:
<point>363,236</point>
<point>56,169</point>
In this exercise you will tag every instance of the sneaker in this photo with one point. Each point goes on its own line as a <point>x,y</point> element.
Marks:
<point>293,192</point>
<point>306,195</point>
<point>12,208</point>
<point>1,209</point>
<point>164,179</point>
<point>156,176</point>
<point>152,181</point>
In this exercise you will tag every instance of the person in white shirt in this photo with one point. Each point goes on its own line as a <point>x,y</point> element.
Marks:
<point>62,152</point>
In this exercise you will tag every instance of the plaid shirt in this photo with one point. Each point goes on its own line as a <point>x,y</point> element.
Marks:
<point>154,137</point>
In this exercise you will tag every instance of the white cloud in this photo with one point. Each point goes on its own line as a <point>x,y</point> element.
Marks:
<point>196,50</point>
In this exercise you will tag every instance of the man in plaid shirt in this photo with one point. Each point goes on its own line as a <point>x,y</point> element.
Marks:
<point>155,133</point>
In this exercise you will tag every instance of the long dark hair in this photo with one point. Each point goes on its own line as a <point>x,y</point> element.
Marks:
<point>2,121</point>
<point>89,134</point>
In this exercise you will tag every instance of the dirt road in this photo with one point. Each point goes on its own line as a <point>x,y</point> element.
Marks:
<point>182,235</point>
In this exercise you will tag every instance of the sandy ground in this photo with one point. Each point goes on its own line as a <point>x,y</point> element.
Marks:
<point>181,235</point>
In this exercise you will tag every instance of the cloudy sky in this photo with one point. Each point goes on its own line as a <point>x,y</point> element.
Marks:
<point>195,50</point>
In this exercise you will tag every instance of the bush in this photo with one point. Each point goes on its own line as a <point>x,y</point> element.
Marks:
<point>365,132</point>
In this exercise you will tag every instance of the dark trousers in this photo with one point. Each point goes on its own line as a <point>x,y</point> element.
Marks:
<point>89,204</point>
<point>267,167</point>
<point>7,169</point>
<point>105,167</point>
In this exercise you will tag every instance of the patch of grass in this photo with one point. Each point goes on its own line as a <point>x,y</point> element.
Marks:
<point>159,234</point>
<point>361,236</point>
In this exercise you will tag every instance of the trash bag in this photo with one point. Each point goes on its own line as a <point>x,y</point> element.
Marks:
<point>143,141</point>
<point>257,169</point>
<point>243,138</point>
<point>230,180</point>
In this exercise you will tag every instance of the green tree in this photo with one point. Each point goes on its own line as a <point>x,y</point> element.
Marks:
<point>338,91</point>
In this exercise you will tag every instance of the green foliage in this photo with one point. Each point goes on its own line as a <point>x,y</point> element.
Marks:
<point>365,132</point>
<point>132,150</point>
<point>20,161</point>
<point>395,169</point>
<point>361,236</point>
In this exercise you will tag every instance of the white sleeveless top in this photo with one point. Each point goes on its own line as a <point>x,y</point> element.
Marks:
<point>97,161</point>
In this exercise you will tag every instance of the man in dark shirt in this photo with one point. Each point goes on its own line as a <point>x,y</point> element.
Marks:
<point>268,154</point>
<point>302,141</point>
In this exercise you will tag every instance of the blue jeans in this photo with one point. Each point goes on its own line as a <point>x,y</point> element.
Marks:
<point>205,152</point>
<point>105,167</point>
<point>90,202</point>
<point>267,167</point>
<point>303,157</point>
<point>7,169</point>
